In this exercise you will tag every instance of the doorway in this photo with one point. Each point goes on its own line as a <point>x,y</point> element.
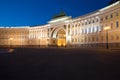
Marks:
<point>61,38</point>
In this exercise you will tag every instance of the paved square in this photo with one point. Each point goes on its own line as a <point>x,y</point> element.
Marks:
<point>59,64</point>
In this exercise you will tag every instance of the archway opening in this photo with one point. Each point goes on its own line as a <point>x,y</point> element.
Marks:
<point>61,38</point>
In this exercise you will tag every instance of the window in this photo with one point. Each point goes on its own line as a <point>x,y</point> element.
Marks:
<point>101,19</point>
<point>111,16</point>
<point>117,24</point>
<point>53,41</point>
<point>111,37</point>
<point>76,25</point>
<point>82,40</point>
<point>82,24</point>
<point>72,40</point>
<point>92,38</point>
<point>88,39</point>
<point>75,39</point>
<point>106,17</point>
<point>89,22</point>
<point>96,38</point>
<point>101,37</point>
<point>78,40</point>
<point>116,13</point>
<point>117,37</point>
<point>85,40</point>
<point>111,25</point>
<point>97,20</point>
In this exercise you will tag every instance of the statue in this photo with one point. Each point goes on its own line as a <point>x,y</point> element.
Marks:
<point>59,15</point>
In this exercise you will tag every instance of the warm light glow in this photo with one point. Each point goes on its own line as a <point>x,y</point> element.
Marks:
<point>64,35</point>
<point>61,42</point>
<point>10,50</point>
<point>64,44</point>
<point>11,38</point>
<point>106,28</point>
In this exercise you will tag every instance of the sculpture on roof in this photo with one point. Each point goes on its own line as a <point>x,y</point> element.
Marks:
<point>61,14</point>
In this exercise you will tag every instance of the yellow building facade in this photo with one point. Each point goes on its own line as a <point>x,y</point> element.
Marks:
<point>99,29</point>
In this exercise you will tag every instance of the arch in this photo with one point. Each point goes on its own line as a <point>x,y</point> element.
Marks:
<point>54,32</point>
<point>59,35</point>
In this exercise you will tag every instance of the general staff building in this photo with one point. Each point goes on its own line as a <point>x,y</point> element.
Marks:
<point>98,29</point>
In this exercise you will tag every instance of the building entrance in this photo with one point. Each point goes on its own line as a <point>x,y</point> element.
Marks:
<point>61,38</point>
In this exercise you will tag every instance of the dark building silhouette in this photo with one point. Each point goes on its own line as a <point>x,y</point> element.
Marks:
<point>113,1</point>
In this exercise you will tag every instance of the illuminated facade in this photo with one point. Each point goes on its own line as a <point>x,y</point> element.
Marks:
<point>99,29</point>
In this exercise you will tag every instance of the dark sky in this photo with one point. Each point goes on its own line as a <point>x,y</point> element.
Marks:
<point>39,12</point>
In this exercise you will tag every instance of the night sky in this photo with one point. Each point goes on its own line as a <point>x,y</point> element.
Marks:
<point>39,12</point>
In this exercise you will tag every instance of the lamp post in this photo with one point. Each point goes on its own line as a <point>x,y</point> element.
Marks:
<point>106,29</point>
<point>47,42</point>
<point>39,41</point>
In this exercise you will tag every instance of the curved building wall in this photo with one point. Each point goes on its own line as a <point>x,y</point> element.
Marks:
<point>99,29</point>
<point>16,37</point>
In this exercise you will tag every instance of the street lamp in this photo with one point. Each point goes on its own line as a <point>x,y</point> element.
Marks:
<point>47,42</point>
<point>106,29</point>
<point>39,41</point>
